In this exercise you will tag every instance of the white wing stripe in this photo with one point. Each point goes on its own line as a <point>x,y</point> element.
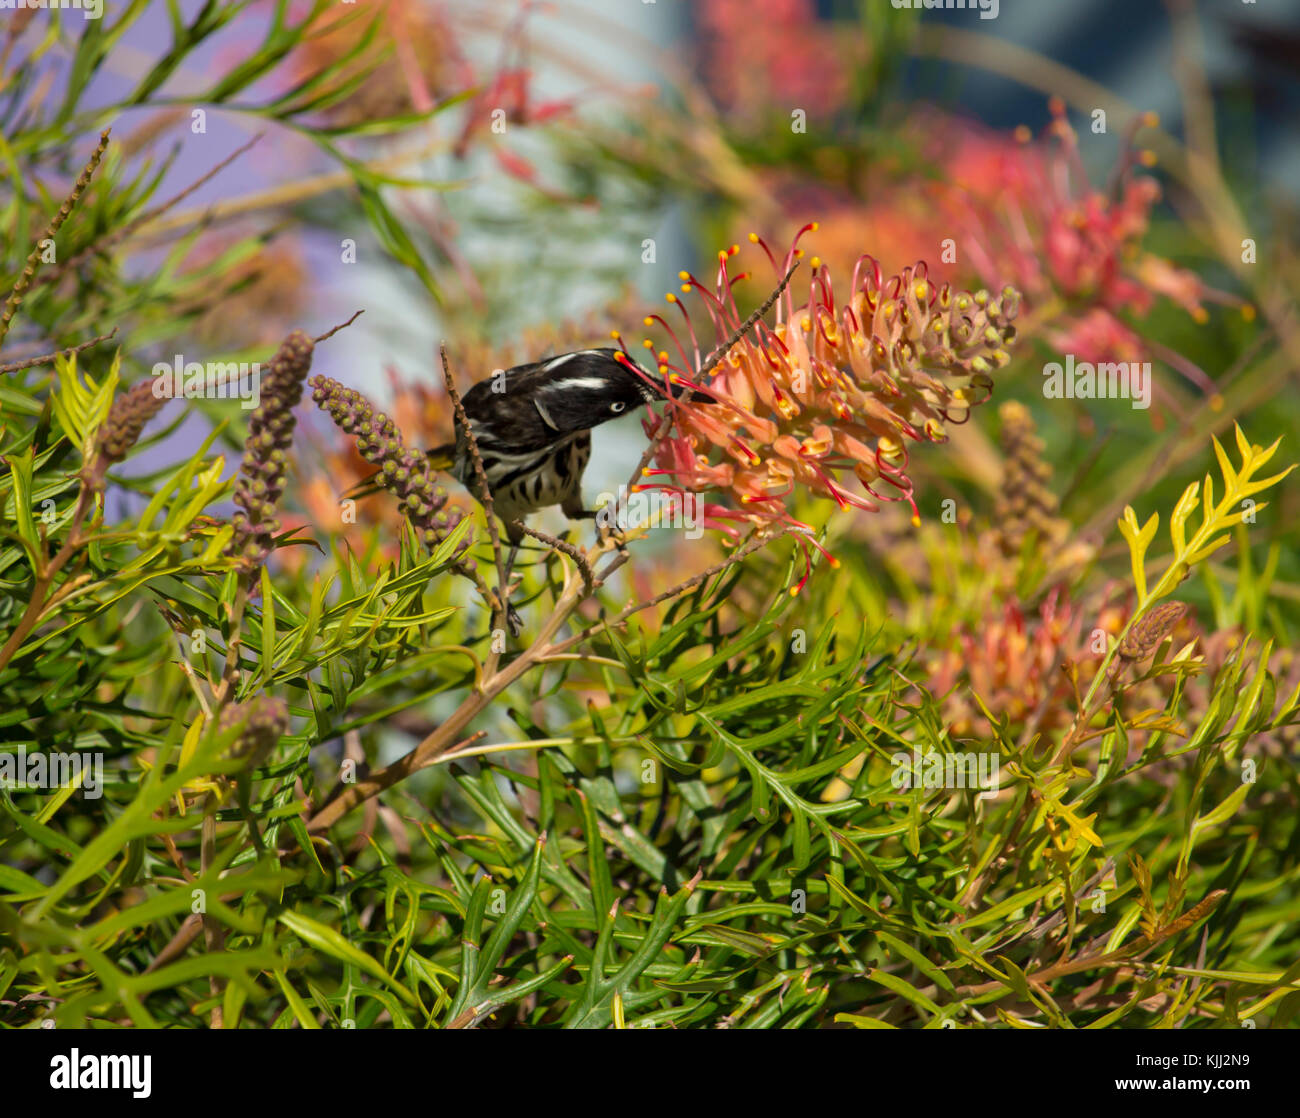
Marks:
<point>556,362</point>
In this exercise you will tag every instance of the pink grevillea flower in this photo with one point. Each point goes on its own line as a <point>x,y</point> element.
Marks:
<point>828,397</point>
<point>1029,212</point>
<point>764,55</point>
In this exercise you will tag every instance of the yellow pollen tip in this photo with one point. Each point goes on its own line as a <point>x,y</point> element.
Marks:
<point>1248,312</point>
<point>835,563</point>
<point>683,275</point>
<point>916,521</point>
<point>1150,120</point>
<point>722,256</point>
<point>805,324</point>
<point>794,591</point>
<point>798,254</point>
<point>615,335</point>
<point>686,289</point>
<point>670,297</point>
<point>734,249</point>
<point>637,488</point>
<point>645,472</point>
<point>648,344</point>
<point>1201,315</point>
<point>663,355</point>
<point>647,321</point>
<point>816,262</point>
<point>1216,402</point>
<point>753,238</point>
<point>815,226</point>
<point>1147,158</point>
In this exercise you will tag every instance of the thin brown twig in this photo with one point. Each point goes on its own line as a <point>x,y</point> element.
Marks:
<point>574,553</point>
<point>442,740</point>
<point>49,358</point>
<point>745,549</point>
<point>17,25</point>
<point>286,194</point>
<point>340,326</point>
<point>127,230</point>
<point>461,746</point>
<point>187,933</point>
<point>1125,956</point>
<point>501,608</point>
<point>56,223</point>
<point>176,200</point>
<point>44,575</point>
<point>718,354</point>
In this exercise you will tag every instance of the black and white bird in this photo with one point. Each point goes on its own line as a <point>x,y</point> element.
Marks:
<point>533,425</point>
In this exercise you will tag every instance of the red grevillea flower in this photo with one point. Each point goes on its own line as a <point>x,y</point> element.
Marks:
<point>829,396</point>
<point>1029,211</point>
<point>763,54</point>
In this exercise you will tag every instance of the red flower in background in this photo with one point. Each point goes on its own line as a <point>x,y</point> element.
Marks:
<point>760,53</point>
<point>1027,208</point>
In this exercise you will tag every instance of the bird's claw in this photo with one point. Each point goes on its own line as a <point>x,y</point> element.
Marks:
<point>611,531</point>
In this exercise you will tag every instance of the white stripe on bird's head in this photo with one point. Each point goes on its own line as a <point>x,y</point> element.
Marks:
<point>577,382</point>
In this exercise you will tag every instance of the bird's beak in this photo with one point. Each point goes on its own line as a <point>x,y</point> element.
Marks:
<point>652,389</point>
<point>692,395</point>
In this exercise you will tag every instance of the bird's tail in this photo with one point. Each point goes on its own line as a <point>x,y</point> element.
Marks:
<point>441,458</point>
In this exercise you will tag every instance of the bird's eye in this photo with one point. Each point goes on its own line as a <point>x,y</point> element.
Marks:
<point>617,406</point>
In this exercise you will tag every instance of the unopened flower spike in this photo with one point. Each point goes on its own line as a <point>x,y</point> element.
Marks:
<point>260,482</point>
<point>125,421</point>
<point>262,722</point>
<point>404,472</point>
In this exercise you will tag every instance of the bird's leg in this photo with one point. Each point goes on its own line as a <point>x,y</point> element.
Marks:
<point>607,528</point>
<point>604,527</point>
<point>587,514</point>
<point>513,620</point>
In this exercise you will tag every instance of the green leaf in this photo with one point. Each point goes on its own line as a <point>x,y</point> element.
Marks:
<point>332,943</point>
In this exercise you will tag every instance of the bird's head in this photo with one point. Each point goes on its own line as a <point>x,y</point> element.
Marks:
<point>592,386</point>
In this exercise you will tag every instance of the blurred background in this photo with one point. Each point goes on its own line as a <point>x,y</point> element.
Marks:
<point>523,178</point>
<point>520,180</point>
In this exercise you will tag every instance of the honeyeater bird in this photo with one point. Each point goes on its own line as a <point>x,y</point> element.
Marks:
<point>533,424</point>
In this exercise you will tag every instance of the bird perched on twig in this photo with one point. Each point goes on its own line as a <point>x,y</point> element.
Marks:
<point>532,425</point>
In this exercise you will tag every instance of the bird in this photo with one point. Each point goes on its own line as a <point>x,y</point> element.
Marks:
<point>532,425</point>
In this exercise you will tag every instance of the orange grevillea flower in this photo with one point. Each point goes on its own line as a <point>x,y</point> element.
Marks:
<point>829,396</point>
